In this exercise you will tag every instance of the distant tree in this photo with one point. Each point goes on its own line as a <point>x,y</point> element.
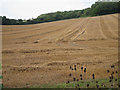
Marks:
<point>99,8</point>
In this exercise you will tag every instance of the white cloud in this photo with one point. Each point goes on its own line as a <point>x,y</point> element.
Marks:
<point>32,8</point>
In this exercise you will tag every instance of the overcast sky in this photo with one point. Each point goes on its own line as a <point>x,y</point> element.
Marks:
<point>25,9</point>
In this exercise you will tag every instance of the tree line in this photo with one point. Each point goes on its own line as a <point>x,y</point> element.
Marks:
<point>97,9</point>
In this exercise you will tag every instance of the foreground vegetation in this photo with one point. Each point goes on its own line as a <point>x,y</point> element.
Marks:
<point>110,82</point>
<point>99,8</point>
<point>1,77</point>
<point>83,84</point>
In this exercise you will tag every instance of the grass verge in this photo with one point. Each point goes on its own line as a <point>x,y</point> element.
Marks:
<point>83,84</point>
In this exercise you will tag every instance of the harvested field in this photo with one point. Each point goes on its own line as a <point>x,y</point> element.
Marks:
<point>41,54</point>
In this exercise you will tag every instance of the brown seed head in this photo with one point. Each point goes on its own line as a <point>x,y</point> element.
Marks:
<point>87,85</point>
<point>80,75</point>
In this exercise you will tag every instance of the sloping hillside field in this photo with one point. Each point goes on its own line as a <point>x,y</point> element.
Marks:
<point>41,54</point>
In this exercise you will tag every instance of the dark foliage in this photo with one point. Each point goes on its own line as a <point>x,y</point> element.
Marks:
<point>99,8</point>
